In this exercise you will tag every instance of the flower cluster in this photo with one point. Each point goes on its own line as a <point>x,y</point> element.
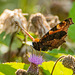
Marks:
<point>36,59</point>
<point>33,68</point>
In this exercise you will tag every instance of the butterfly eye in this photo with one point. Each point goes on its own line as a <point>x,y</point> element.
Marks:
<point>16,22</point>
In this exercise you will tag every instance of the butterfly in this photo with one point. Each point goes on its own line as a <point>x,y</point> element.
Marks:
<point>53,38</point>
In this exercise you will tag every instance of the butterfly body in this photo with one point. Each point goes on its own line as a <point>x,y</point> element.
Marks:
<point>54,37</point>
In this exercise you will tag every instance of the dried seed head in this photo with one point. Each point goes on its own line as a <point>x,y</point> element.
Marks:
<point>21,72</point>
<point>38,24</point>
<point>11,20</point>
<point>74,68</point>
<point>52,20</point>
<point>69,62</point>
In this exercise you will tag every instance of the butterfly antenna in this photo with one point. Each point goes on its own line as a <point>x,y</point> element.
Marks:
<point>32,51</point>
<point>24,31</point>
<point>28,35</point>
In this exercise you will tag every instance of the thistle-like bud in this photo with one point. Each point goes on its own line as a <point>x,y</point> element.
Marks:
<point>33,69</point>
<point>35,61</point>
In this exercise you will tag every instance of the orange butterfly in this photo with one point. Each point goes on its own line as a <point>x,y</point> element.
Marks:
<point>53,38</point>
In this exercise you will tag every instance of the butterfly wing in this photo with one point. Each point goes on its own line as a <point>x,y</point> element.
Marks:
<point>56,36</point>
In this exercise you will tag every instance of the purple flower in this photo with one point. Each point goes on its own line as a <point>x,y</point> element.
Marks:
<point>36,59</point>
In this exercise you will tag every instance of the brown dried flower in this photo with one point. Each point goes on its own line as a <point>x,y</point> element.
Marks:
<point>21,72</point>
<point>8,20</point>
<point>52,20</point>
<point>38,24</point>
<point>69,61</point>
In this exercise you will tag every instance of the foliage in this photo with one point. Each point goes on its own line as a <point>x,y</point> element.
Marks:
<point>71,31</point>
<point>16,44</point>
<point>28,6</point>
<point>5,40</point>
<point>10,68</point>
<point>8,4</point>
<point>59,69</point>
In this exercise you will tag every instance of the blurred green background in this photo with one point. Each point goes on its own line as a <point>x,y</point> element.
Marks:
<point>63,9</point>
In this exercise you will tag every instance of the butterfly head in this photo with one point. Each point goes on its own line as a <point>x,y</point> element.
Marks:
<point>69,21</point>
<point>65,23</point>
<point>36,45</point>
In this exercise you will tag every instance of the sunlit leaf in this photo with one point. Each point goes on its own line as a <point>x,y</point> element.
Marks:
<point>71,31</point>
<point>10,68</point>
<point>59,69</point>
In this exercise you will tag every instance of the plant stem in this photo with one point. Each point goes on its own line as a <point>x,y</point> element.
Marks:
<point>11,41</point>
<point>56,63</point>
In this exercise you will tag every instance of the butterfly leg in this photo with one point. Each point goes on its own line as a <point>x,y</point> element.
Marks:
<point>32,49</point>
<point>40,52</point>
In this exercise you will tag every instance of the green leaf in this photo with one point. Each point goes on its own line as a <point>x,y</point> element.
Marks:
<point>59,69</point>
<point>71,32</point>
<point>6,40</point>
<point>28,6</point>
<point>20,35</point>
<point>55,54</point>
<point>16,44</point>
<point>10,68</point>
